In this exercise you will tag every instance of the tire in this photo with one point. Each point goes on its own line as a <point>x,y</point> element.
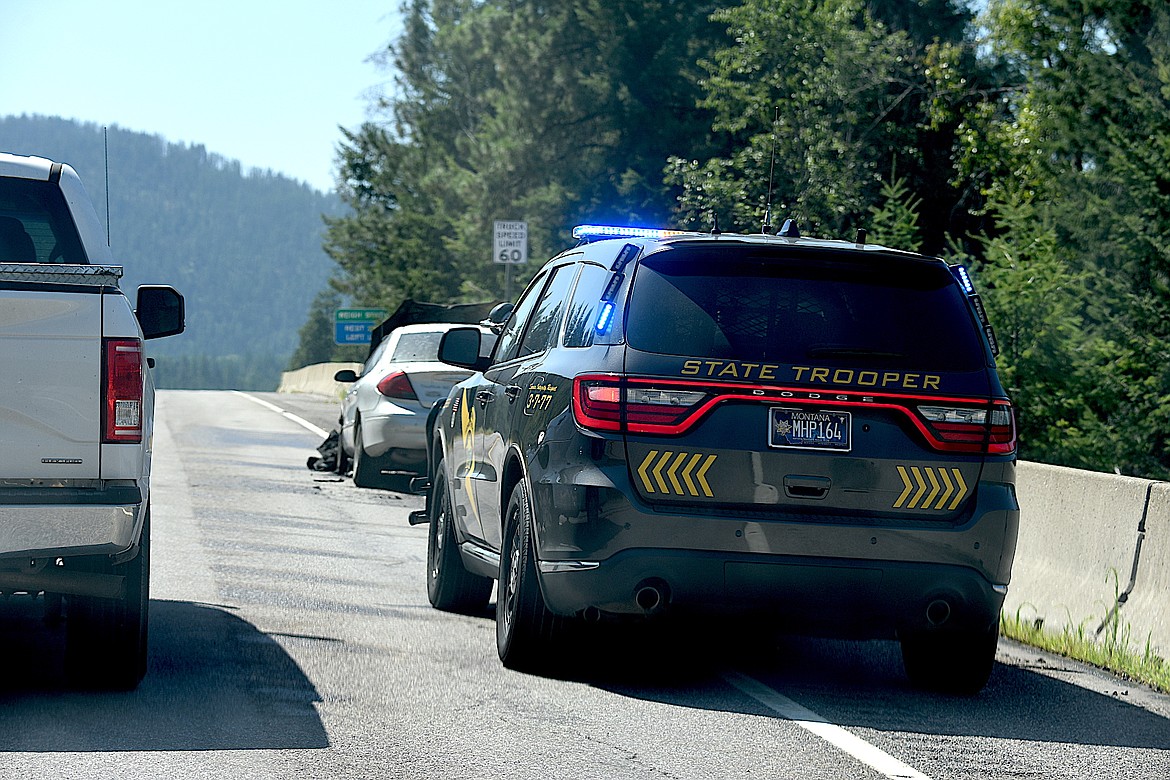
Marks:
<point>527,633</point>
<point>955,662</point>
<point>450,587</point>
<point>343,460</point>
<point>367,470</point>
<point>106,639</point>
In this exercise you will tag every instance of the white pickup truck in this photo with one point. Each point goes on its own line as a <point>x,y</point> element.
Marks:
<point>76,406</point>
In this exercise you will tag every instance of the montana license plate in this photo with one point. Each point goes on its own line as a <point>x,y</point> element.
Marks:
<point>810,430</point>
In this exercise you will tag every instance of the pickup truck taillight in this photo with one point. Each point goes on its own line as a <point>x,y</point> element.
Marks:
<point>122,410</point>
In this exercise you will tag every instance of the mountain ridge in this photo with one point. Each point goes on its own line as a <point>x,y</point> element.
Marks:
<point>242,245</point>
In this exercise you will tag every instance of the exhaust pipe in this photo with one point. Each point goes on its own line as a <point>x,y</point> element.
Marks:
<point>651,596</point>
<point>938,612</point>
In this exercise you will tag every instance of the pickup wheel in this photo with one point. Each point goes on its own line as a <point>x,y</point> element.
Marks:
<point>527,633</point>
<point>450,586</point>
<point>106,639</point>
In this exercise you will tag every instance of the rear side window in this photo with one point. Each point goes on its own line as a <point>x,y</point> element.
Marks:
<point>582,314</point>
<point>35,224</point>
<point>546,320</point>
<point>781,306</point>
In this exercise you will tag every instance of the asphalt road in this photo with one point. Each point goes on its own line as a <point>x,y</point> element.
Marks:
<point>291,637</point>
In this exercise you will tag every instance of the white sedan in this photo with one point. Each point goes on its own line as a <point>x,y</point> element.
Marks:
<point>384,412</point>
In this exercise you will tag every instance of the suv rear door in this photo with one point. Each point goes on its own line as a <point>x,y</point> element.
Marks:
<point>508,390</point>
<point>824,385</point>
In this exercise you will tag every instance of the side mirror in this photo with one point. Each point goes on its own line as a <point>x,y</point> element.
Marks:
<point>346,375</point>
<point>160,311</point>
<point>497,317</point>
<point>460,347</point>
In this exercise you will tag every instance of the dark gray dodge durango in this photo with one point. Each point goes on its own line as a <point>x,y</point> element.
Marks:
<point>687,423</point>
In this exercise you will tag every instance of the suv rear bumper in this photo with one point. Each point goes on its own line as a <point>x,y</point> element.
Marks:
<point>831,596</point>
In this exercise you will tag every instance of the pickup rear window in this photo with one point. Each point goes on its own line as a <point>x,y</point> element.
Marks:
<point>35,224</point>
<point>784,306</point>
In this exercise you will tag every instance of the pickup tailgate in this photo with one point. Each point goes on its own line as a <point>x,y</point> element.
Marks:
<point>50,383</point>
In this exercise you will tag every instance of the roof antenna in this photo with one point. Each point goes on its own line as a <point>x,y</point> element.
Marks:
<point>106,150</point>
<point>767,228</point>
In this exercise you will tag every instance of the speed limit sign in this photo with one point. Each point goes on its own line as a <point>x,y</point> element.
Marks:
<point>510,243</point>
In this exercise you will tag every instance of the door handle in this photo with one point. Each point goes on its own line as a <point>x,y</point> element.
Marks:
<point>799,486</point>
<point>512,391</point>
<point>484,397</point>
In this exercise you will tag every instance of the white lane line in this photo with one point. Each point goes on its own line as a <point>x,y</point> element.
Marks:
<point>298,420</point>
<point>868,754</point>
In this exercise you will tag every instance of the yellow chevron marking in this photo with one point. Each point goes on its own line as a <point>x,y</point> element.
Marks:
<point>642,471</point>
<point>701,476</point>
<point>962,488</point>
<point>921,487</point>
<point>948,489</point>
<point>934,488</point>
<point>673,470</point>
<point>906,491</point>
<point>686,475</point>
<point>657,471</point>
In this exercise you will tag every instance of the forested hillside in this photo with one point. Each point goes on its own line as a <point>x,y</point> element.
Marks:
<point>1029,139</point>
<point>244,247</point>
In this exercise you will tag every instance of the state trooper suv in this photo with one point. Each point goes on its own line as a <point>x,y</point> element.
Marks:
<point>810,431</point>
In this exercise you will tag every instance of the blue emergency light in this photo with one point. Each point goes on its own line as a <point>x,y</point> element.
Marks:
<point>605,316</point>
<point>964,278</point>
<point>618,231</point>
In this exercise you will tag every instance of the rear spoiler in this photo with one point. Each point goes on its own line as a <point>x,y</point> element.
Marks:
<point>411,312</point>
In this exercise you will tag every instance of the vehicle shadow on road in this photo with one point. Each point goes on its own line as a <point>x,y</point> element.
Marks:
<point>863,685</point>
<point>213,682</point>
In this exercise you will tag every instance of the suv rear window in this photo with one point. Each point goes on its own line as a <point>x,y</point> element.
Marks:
<point>35,224</point>
<point>790,306</point>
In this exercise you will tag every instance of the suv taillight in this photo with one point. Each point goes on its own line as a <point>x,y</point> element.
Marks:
<point>122,410</point>
<point>971,428</point>
<point>614,403</point>
<point>397,385</point>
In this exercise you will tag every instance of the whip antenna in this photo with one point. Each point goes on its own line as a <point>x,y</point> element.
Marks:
<point>767,228</point>
<point>106,150</point>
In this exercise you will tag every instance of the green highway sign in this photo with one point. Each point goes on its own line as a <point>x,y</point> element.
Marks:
<point>353,326</point>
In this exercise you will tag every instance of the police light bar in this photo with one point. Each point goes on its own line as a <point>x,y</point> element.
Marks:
<point>618,231</point>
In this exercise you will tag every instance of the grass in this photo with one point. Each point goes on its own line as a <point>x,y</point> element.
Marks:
<point>1110,651</point>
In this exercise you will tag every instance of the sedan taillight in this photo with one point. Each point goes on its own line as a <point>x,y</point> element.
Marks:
<point>397,385</point>
<point>122,410</point>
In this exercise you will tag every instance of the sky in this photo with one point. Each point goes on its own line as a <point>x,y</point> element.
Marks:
<point>265,82</point>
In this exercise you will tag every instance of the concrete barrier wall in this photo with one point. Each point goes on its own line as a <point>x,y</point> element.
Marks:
<point>1078,532</point>
<point>316,379</point>
<point>1148,608</point>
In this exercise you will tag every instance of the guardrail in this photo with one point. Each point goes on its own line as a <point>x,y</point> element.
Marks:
<point>1092,547</point>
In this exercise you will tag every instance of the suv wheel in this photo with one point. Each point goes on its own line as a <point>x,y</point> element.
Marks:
<point>105,639</point>
<point>953,662</point>
<point>450,586</point>
<point>525,629</point>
